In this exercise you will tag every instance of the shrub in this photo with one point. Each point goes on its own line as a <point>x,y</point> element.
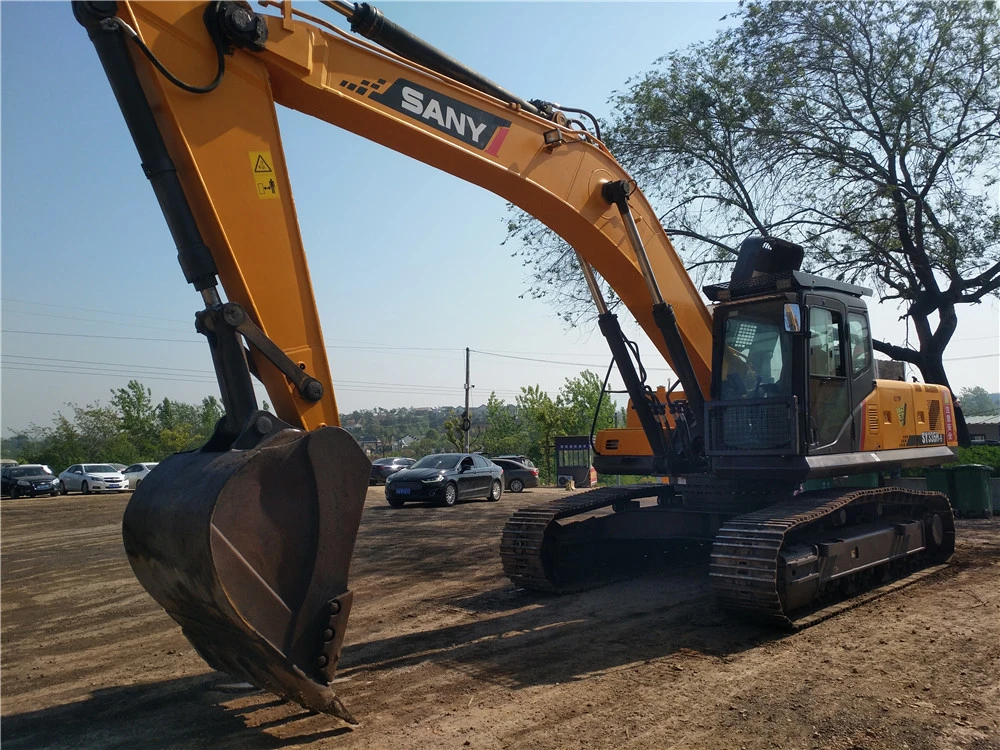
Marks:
<point>987,455</point>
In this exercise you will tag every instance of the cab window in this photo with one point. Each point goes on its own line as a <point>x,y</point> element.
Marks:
<point>860,338</point>
<point>756,355</point>
<point>826,357</point>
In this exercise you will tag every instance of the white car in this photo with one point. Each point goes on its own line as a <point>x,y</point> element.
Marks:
<point>87,478</point>
<point>135,473</point>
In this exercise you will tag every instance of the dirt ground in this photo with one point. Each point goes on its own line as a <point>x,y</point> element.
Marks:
<point>442,652</point>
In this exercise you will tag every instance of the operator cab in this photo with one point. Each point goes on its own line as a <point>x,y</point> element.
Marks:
<point>792,365</point>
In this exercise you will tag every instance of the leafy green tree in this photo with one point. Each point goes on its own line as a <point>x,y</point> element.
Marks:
<point>138,415</point>
<point>211,412</point>
<point>868,132</point>
<point>455,435</point>
<point>502,433</point>
<point>977,402</point>
<point>100,430</point>
<point>542,420</point>
<point>579,398</point>
<point>130,429</point>
<point>58,446</point>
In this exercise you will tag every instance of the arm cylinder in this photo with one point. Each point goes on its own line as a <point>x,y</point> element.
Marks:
<point>109,41</point>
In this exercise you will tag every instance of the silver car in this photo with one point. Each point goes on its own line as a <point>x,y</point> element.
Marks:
<point>87,478</point>
<point>135,473</point>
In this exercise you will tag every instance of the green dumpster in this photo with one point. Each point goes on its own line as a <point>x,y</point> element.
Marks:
<point>941,479</point>
<point>972,498</point>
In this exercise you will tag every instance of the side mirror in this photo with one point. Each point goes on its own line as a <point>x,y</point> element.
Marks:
<point>792,317</point>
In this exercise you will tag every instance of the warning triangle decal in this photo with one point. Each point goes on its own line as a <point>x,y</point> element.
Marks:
<point>262,166</point>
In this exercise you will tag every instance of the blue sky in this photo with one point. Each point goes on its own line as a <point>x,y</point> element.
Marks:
<point>93,296</point>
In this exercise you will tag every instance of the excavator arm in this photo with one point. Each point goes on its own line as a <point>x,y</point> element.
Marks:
<point>247,542</point>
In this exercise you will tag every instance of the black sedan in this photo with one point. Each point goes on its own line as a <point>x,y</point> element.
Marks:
<point>517,475</point>
<point>383,467</point>
<point>29,481</point>
<point>446,478</point>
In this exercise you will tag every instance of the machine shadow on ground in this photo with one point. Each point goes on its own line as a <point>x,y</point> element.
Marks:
<point>546,640</point>
<point>182,713</point>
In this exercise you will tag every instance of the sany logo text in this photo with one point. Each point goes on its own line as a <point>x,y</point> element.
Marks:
<point>413,101</point>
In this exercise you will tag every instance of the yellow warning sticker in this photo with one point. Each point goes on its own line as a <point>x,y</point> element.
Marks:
<point>263,174</point>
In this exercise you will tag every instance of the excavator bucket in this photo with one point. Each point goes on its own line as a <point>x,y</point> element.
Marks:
<point>249,551</point>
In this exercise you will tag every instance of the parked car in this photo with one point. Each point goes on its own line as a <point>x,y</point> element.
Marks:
<point>383,467</point>
<point>516,475</point>
<point>135,473</point>
<point>87,478</point>
<point>520,459</point>
<point>447,478</point>
<point>28,480</point>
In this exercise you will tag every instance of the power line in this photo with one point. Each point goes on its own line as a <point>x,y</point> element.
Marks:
<point>199,371</point>
<point>195,376</point>
<point>554,362</point>
<point>362,347</point>
<point>64,371</point>
<point>199,340</point>
<point>331,343</point>
<point>89,309</point>
<point>974,356</point>
<point>94,320</point>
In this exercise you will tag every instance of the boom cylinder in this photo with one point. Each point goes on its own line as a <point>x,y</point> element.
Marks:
<point>109,41</point>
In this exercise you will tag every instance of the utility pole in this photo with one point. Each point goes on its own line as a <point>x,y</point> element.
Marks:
<point>466,419</point>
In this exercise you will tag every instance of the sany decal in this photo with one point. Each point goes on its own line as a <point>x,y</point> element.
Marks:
<point>458,119</point>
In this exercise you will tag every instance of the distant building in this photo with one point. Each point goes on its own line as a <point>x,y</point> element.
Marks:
<point>984,428</point>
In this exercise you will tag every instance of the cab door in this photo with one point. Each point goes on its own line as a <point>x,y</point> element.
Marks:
<point>861,365</point>
<point>828,419</point>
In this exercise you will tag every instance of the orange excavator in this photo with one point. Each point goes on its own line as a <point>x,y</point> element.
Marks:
<point>247,542</point>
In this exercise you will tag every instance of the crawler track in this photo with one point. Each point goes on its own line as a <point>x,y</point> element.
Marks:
<point>755,556</point>
<point>750,577</point>
<point>526,546</point>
